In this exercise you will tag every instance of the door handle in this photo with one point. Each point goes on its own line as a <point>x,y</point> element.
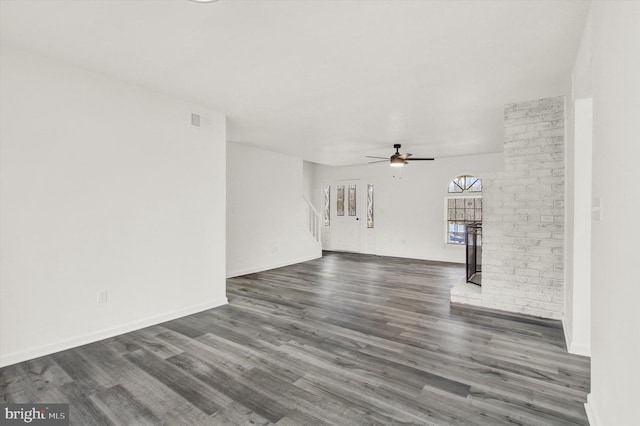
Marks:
<point>357,218</point>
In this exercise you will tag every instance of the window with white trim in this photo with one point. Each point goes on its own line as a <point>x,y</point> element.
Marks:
<point>462,208</point>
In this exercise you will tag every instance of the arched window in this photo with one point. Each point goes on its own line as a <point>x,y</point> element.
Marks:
<point>462,208</point>
<point>465,183</point>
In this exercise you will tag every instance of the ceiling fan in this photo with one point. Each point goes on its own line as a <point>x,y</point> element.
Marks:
<point>397,159</point>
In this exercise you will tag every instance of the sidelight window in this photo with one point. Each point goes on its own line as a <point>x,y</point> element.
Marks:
<point>327,205</point>
<point>370,205</point>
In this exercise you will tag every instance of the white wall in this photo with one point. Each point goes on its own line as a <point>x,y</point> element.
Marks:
<point>579,134</point>
<point>409,208</point>
<point>309,184</point>
<point>266,220</point>
<point>104,186</point>
<point>569,202</point>
<point>577,315</point>
<point>615,317</point>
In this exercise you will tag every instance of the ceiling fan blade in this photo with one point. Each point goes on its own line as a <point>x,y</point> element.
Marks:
<point>418,159</point>
<point>382,158</point>
<point>379,161</point>
<point>405,156</point>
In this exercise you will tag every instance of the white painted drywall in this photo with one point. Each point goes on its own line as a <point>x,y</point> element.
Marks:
<point>104,186</point>
<point>615,282</point>
<point>409,206</point>
<point>308,184</point>
<point>569,210</point>
<point>581,334</point>
<point>578,176</point>
<point>266,220</point>
<point>577,317</point>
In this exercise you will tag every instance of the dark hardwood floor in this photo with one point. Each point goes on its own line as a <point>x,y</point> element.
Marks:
<point>347,339</point>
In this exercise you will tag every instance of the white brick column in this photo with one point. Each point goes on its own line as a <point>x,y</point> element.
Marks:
<point>523,215</point>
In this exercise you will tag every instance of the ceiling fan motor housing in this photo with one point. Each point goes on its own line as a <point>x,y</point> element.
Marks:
<point>397,159</point>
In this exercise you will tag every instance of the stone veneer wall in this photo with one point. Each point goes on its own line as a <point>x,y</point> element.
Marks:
<point>523,216</point>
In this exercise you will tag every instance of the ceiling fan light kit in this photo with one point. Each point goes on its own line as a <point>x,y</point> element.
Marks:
<point>397,162</point>
<point>397,159</point>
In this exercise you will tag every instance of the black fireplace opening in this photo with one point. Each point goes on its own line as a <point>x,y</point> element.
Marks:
<point>473,242</point>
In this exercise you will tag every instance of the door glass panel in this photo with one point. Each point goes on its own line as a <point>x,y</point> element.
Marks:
<point>340,201</point>
<point>352,200</point>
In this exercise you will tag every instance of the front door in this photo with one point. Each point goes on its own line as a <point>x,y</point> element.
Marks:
<point>347,216</point>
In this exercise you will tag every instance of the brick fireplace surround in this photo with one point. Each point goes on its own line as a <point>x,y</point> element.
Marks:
<point>523,216</point>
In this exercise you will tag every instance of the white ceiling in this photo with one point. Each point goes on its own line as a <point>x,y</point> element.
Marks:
<point>327,81</point>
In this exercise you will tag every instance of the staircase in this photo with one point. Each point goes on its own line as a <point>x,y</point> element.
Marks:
<point>314,221</point>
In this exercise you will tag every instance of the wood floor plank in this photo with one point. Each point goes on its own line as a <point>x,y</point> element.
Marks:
<point>236,414</point>
<point>87,376</point>
<point>147,389</point>
<point>183,384</point>
<point>231,386</point>
<point>82,411</point>
<point>187,414</point>
<point>298,418</point>
<point>122,408</point>
<point>347,339</point>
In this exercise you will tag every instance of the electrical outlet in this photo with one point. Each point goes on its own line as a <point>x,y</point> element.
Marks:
<point>102,296</point>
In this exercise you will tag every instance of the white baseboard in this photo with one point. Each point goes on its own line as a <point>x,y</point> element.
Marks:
<point>382,253</point>
<point>579,350</point>
<point>573,347</point>
<point>592,413</point>
<point>567,335</point>
<point>255,269</point>
<point>25,355</point>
